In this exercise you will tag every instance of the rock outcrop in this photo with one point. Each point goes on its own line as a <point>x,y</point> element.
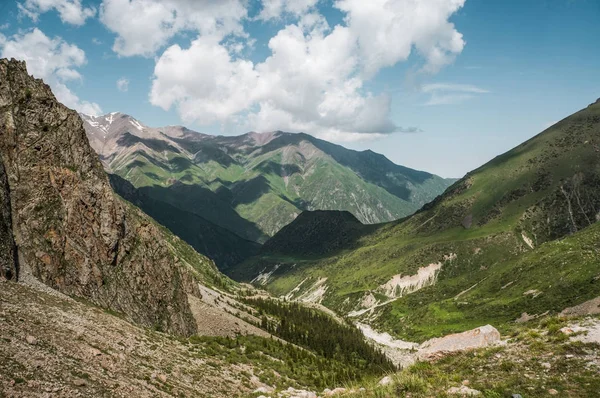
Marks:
<point>473,339</point>
<point>8,258</point>
<point>71,231</point>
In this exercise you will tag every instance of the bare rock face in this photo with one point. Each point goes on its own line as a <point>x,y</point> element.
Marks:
<point>8,258</point>
<point>71,231</point>
<point>469,340</point>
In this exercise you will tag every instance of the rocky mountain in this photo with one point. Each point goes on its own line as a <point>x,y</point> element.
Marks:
<point>255,184</point>
<point>70,231</point>
<point>512,240</point>
<point>110,303</point>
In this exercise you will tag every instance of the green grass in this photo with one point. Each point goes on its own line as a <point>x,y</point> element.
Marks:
<point>520,192</point>
<point>537,359</point>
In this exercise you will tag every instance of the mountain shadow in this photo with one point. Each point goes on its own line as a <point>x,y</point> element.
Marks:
<point>221,245</point>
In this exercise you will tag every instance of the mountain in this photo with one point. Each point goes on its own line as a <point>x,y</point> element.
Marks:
<point>219,244</point>
<point>255,184</point>
<point>514,239</point>
<point>61,223</point>
<point>119,305</point>
<point>316,233</point>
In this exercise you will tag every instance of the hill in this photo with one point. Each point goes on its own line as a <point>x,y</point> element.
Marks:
<point>115,302</point>
<point>513,239</point>
<point>316,233</point>
<point>255,184</point>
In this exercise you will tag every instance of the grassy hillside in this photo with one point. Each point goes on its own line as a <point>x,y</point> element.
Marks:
<point>487,250</point>
<point>255,184</point>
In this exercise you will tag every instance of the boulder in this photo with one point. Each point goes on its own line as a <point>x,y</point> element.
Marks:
<point>385,381</point>
<point>484,336</point>
<point>463,391</point>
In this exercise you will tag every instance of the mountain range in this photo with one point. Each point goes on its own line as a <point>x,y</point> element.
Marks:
<point>99,297</point>
<point>246,188</point>
<point>514,239</point>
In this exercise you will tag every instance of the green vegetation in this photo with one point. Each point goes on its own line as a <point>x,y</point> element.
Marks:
<point>321,334</point>
<point>253,185</point>
<point>280,364</point>
<point>516,235</point>
<point>536,361</point>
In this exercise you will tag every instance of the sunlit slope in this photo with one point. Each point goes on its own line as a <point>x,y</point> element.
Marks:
<point>255,184</point>
<point>484,232</point>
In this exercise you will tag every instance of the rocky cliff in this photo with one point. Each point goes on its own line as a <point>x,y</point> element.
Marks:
<point>8,259</point>
<point>71,231</point>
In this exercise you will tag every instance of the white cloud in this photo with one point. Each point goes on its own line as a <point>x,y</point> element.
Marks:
<point>387,31</point>
<point>275,9</point>
<point>313,81</point>
<point>463,88</point>
<point>53,60</point>
<point>70,11</point>
<point>4,26</point>
<point>450,93</point>
<point>96,41</point>
<point>145,26</point>
<point>123,85</point>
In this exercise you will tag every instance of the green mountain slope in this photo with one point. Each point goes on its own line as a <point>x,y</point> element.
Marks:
<point>255,184</point>
<point>486,251</point>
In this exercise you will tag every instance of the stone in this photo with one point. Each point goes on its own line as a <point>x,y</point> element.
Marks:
<point>95,352</point>
<point>463,391</point>
<point>484,336</point>
<point>79,382</point>
<point>385,381</point>
<point>8,255</point>
<point>31,340</point>
<point>552,391</point>
<point>546,365</point>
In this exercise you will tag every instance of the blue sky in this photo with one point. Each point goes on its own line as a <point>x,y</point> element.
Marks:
<point>437,85</point>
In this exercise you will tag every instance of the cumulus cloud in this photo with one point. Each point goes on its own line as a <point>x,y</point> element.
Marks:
<point>388,30</point>
<point>309,83</point>
<point>275,9</point>
<point>145,26</point>
<point>70,11</point>
<point>123,85</point>
<point>314,79</point>
<point>53,60</point>
<point>450,93</point>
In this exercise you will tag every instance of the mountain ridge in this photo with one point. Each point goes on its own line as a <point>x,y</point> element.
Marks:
<point>255,183</point>
<point>452,265</point>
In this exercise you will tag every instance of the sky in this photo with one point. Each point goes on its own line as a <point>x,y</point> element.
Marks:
<point>437,85</point>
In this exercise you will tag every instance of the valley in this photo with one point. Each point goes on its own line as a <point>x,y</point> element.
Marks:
<point>344,274</point>
<point>225,194</point>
